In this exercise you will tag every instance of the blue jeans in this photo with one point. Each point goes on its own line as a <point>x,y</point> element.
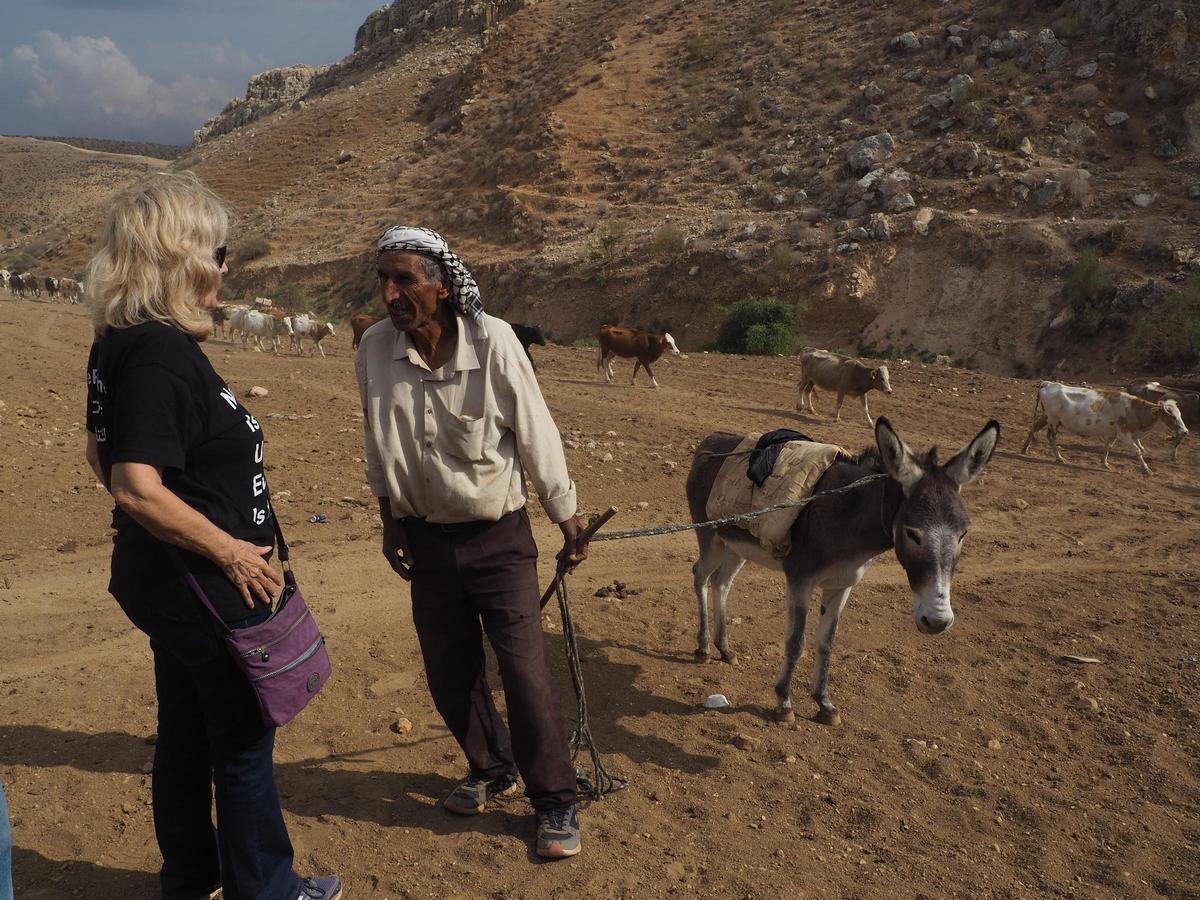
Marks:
<point>6,892</point>
<point>211,734</point>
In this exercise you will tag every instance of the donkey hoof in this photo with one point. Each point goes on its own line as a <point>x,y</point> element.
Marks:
<point>829,716</point>
<point>701,654</point>
<point>728,656</point>
<point>785,716</point>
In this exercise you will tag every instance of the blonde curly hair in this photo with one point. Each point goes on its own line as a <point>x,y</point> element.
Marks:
<point>154,261</point>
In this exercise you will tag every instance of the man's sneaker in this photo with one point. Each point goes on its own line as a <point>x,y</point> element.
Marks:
<point>558,833</point>
<point>328,887</point>
<point>471,797</point>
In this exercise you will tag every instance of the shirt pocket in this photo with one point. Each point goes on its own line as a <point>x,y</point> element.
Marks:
<point>464,437</point>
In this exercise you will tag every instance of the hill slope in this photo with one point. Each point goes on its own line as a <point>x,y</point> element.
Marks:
<point>644,163</point>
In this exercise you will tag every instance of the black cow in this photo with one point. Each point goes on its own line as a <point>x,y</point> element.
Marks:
<point>529,334</point>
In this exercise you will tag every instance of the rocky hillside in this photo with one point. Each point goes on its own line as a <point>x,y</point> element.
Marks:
<point>52,194</point>
<point>920,178</point>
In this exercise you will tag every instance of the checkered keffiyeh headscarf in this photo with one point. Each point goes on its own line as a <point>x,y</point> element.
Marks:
<point>463,289</point>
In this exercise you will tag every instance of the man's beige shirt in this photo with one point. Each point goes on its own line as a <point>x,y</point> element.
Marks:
<point>453,445</point>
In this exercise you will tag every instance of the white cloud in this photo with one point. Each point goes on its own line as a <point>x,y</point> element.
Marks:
<point>87,86</point>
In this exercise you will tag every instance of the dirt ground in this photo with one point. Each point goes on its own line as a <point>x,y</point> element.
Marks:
<point>973,764</point>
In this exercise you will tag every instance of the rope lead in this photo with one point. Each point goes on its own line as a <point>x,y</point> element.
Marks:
<point>599,781</point>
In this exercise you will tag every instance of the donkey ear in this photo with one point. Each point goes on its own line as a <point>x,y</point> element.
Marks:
<point>897,459</point>
<point>972,459</point>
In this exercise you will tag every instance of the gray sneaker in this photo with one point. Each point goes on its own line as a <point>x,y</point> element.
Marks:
<point>328,887</point>
<point>471,797</point>
<point>558,834</point>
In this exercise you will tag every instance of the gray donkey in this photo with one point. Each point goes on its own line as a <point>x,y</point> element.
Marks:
<point>916,509</point>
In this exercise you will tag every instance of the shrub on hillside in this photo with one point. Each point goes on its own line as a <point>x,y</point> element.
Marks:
<point>21,262</point>
<point>609,238</point>
<point>668,240</point>
<point>760,326</point>
<point>1087,290</point>
<point>290,297</point>
<point>251,249</point>
<point>1170,336</point>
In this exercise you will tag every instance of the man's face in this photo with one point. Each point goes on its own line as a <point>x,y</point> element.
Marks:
<point>411,298</point>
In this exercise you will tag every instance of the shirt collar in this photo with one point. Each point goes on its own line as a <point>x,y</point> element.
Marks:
<point>465,356</point>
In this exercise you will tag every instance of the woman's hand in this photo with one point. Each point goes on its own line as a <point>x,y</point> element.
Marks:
<point>140,492</point>
<point>244,564</point>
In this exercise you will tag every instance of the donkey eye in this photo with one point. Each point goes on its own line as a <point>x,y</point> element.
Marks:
<point>962,537</point>
<point>913,535</point>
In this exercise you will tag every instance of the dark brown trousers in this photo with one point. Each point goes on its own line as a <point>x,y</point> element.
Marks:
<point>476,578</point>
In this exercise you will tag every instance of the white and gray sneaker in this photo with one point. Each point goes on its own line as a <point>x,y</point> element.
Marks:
<point>328,887</point>
<point>558,834</point>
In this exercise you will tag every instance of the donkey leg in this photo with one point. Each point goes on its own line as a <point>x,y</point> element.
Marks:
<point>706,563</point>
<point>832,603</point>
<point>722,583</point>
<point>799,592</point>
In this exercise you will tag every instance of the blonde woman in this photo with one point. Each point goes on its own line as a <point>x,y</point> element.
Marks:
<point>183,459</point>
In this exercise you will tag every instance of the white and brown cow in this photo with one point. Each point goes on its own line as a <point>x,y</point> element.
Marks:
<point>842,374</point>
<point>1110,415</point>
<point>305,326</point>
<point>644,346</point>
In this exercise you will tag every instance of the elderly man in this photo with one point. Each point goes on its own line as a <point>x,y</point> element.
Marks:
<point>454,422</point>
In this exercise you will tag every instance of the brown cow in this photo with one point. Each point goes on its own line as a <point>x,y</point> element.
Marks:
<point>359,325</point>
<point>844,374</point>
<point>644,346</point>
<point>71,289</point>
<point>220,317</point>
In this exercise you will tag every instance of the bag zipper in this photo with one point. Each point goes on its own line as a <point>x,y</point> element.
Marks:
<point>307,655</point>
<point>281,637</point>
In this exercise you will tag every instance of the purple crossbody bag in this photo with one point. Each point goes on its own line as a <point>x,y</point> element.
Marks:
<point>284,658</point>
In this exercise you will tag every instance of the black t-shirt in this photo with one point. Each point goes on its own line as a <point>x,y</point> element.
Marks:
<point>154,398</point>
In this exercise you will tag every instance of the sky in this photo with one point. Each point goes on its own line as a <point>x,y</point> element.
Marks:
<point>153,70</point>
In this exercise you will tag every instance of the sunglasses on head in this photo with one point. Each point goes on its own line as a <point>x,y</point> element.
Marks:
<point>219,255</point>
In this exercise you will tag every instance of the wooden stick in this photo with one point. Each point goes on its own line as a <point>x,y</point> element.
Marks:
<point>595,525</point>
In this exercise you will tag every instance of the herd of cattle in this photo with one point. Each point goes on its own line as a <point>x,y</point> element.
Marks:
<point>1115,417</point>
<point>266,325</point>
<point>22,285</point>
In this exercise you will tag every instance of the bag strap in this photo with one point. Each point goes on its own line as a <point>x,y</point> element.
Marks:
<point>173,552</point>
<point>279,541</point>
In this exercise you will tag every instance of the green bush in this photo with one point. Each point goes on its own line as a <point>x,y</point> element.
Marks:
<point>770,340</point>
<point>761,326</point>
<point>1170,336</point>
<point>1088,291</point>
